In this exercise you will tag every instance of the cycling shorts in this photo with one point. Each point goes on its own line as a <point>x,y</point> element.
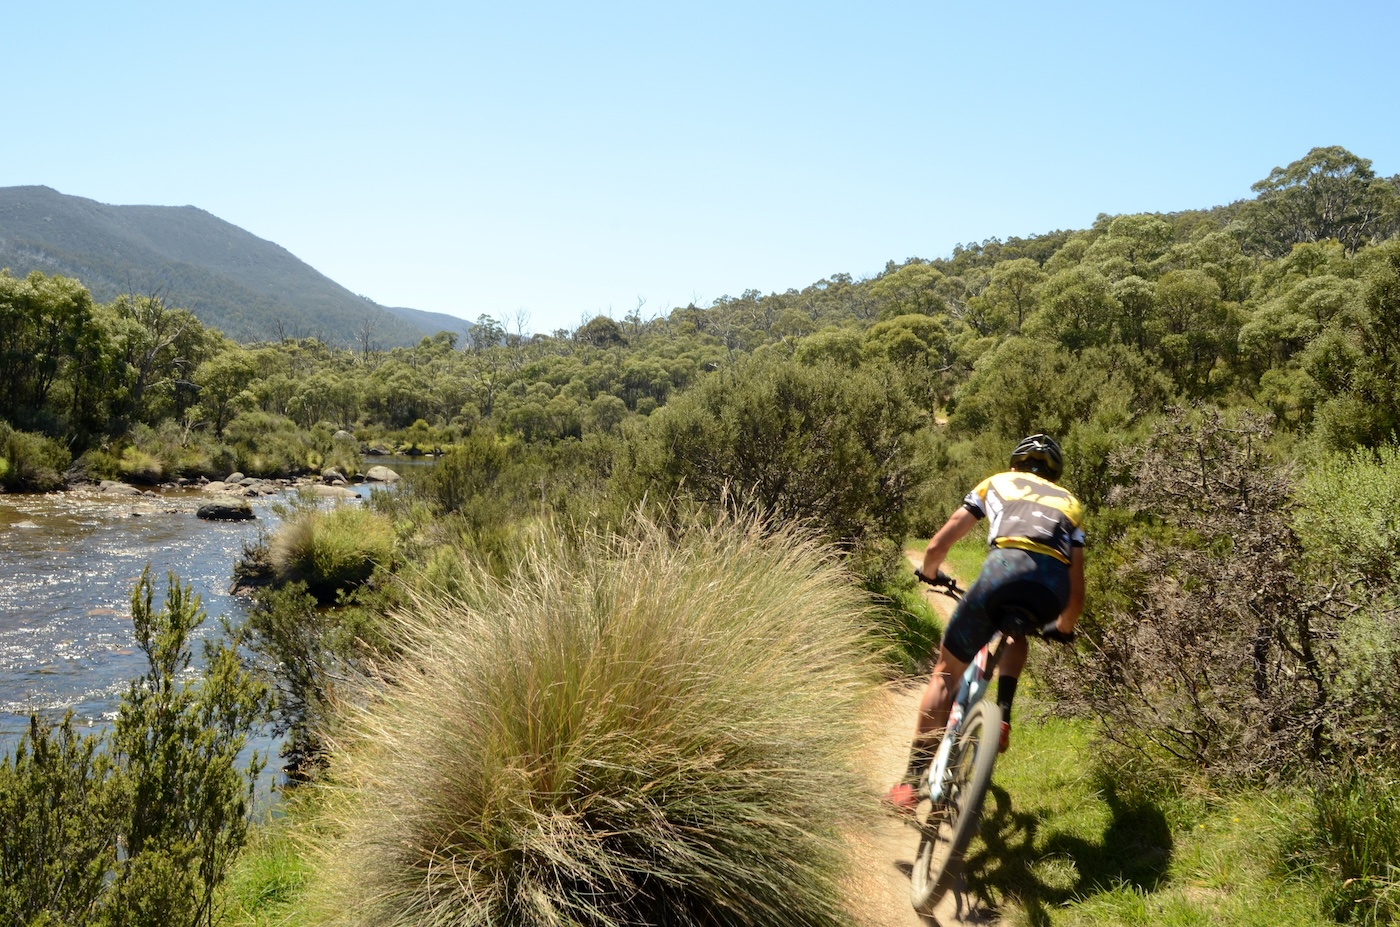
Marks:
<point>1033,581</point>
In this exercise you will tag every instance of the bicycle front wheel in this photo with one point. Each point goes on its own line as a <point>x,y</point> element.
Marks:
<point>947,828</point>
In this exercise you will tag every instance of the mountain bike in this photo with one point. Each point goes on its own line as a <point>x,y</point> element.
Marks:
<point>951,794</point>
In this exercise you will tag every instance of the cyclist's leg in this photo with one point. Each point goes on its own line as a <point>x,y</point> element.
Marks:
<point>968,630</point>
<point>934,706</point>
<point>1013,660</point>
<point>938,694</point>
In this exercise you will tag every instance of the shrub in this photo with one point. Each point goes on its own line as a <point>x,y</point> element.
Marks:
<point>817,443</point>
<point>32,462</point>
<point>178,744</point>
<point>268,445</point>
<point>332,551</point>
<point>466,478</point>
<point>1221,652</point>
<point>288,634</point>
<point>169,450</point>
<point>305,652</point>
<point>139,466</point>
<point>1347,512</point>
<point>59,807</point>
<point>650,730</point>
<point>140,824</point>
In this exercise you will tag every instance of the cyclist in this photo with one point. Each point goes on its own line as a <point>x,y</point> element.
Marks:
<point>1036,562</point>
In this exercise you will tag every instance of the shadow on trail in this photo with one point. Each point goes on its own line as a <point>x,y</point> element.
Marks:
<point>1015,863</point>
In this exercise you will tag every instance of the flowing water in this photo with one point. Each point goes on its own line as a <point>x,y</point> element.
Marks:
<point>68,564</point>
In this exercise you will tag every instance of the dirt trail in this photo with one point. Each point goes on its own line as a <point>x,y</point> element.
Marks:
<point>885,852</point>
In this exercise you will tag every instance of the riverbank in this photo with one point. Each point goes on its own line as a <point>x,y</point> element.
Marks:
<point>71,560</point>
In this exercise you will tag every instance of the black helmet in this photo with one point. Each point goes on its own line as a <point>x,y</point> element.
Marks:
<point>1040,455</point>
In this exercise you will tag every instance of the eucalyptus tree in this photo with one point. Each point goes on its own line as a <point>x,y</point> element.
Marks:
<point>160,346</point>
<point>45,335</point>
<point>1328,193</point>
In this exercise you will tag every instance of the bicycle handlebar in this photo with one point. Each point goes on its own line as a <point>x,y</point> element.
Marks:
<point>942,580</point>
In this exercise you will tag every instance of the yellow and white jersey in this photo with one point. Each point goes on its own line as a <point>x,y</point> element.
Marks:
<point>1028,512</point>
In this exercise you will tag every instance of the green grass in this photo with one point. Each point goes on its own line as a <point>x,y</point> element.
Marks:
<point>267,883</point>
<point>1352,834</point>
<point>964,561</point>
<point>1060,846</point>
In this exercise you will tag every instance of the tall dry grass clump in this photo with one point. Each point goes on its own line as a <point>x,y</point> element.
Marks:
<point>656,729</point>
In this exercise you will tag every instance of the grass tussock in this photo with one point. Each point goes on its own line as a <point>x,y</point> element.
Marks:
<point>1353,842</point>
<point>331,550</point>
<point>655,729</point>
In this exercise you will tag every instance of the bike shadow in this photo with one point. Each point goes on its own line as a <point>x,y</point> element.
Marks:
<point>1013,863</point>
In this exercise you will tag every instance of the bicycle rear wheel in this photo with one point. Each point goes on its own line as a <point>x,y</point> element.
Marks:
<point>946,829</point>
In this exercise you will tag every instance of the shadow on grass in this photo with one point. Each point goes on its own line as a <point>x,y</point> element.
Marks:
<point>1017,862</point>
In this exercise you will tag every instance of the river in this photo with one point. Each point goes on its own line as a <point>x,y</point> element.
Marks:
<point>68,563</point>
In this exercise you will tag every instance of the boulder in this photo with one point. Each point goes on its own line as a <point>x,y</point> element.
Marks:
<point>331,475</point>
<point>380,474</point>
<point>117,489</point>
<point>225,510</point>
<point>342,435</point>
<point>234,478</point>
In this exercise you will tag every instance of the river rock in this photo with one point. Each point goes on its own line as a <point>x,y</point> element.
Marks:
<point>332,475</point>
<point>225,510</point>
<point>117,489</point>
<point>380,474</point>
<point>234,478</point>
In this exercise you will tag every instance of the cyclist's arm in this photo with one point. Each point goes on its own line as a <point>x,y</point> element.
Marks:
<point>1070,616</point>
<point>954,529</point>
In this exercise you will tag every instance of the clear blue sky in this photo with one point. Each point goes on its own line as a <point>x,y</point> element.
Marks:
<point>553,161</point>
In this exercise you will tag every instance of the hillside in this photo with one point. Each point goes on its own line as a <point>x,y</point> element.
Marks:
<point>249,288</point>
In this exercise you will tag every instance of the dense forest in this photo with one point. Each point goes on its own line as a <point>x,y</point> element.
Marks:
<point>1225,381</point>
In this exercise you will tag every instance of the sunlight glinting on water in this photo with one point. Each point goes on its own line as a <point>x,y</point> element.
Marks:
<point>68,564</point>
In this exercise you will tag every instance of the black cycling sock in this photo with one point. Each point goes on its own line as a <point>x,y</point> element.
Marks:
<point>920,756</point>
<point>1006,694</point>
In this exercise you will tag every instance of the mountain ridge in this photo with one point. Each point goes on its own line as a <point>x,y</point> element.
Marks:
<point>250,288</point>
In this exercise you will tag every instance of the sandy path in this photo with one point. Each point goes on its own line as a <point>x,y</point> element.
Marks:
<point>884,853</point>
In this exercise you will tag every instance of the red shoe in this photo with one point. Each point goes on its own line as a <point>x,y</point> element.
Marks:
<point>902,798</point>
<point>1005,737</point>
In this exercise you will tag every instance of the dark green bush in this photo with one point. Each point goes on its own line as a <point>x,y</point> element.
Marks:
<point>31,462</point>
<point>299,649</point>
<point>1349,515</point>
<point>819,444</point>
<point>60,807</point>
<point>139,825</point>
<point>269,445</point>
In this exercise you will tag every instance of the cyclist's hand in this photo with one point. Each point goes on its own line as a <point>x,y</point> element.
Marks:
<point>941,579</point>
<point>1052,632</point>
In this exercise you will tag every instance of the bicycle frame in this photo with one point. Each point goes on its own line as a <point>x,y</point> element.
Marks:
<point>970,691</point>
